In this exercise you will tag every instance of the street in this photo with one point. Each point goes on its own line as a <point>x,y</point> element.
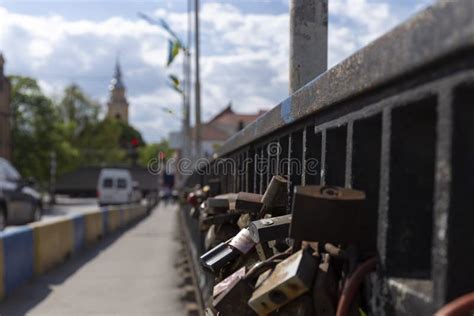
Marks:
<point>127,273</point>
<point>69,206</point>
<point>65,207</point>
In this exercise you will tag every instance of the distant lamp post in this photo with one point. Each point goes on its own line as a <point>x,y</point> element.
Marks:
<point>52,177</point>
<point>197,81</point>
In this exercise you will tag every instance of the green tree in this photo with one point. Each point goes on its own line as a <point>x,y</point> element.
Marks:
<point>151,151</point>
<point>99,142</point>
<point>128,133</point>
<point>75,106</point>
<point>71,128</point>
<point>37,131</point>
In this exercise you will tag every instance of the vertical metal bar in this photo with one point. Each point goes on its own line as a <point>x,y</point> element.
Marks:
<point>197,81</point>
<point>323,157</point>
<point>382,225</point>
<point>303,158</point>
<point>350,130</point>
<point>255,164</point>
<point>246,173</point>
<point>308,41</point>
<point>261,171</point>
<point>443,177</point>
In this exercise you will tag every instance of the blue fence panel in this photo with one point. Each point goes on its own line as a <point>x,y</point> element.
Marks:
<point>79,232</point>
<point>18,255</point>
<point>105,220</point>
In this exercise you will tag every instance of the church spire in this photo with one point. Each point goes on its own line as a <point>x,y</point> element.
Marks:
<point>118,104</point>
<point>117,82</point>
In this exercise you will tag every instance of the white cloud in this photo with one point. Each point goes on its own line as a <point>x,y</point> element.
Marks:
<point>244,56</point>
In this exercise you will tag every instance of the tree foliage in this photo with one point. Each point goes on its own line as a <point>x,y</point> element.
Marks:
<point>70,127</point>
<point>152,151</point>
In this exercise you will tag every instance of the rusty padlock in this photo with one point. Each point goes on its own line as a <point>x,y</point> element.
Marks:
<point>332,214</point>
<point>220,203</point>
<point>217,219</point>
<point>214,186</point>
<point>302,305</point>
<point>290,279</point>
<point>275,198</point>
<point>248,202</point>
<point>264,251</point>
<point>272,228</point>
<point>325,288</point>
<point>210,238</point>
<point>227,282</point>
<point>233,295</point>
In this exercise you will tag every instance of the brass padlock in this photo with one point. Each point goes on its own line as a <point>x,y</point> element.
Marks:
<point>291,278</point>
<point>244,220</point>
<point>332,214</point>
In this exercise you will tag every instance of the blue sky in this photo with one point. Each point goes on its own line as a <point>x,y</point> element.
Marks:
<point>244,49</point>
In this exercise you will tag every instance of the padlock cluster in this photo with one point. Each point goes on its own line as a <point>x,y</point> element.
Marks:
<point>269,259</point>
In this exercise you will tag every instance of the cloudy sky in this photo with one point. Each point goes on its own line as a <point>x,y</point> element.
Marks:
<point>244,49</point>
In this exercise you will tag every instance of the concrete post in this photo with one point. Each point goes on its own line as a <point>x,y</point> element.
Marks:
<point>308,41</point>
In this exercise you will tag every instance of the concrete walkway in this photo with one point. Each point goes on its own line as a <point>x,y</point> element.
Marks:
<point>126,274</point>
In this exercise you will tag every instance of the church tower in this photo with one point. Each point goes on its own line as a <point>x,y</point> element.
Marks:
<point>118,104</point>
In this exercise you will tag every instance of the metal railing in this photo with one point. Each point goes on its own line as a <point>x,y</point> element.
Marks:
<point>396,120</point>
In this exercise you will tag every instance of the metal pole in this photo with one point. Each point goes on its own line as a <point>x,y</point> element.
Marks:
<point>185,110</point>
<point>197,83</point>
<point>188,143</point>
<point>52,178</point>
<point>308,41</point>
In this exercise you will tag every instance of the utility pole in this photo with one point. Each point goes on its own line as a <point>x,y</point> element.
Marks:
<point>197,83</point>
<point>186,96</point>
<point>188,135</point>
<point>52,177</point>
<point>308,41</point>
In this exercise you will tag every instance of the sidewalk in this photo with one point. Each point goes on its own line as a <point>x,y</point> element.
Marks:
<point>128,274</point>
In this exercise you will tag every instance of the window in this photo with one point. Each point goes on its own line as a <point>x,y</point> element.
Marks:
<point>122,183</point>
<point>108,183</point>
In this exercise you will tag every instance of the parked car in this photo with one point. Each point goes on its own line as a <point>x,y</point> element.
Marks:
<point>115,186</point>
<point>19,202</point>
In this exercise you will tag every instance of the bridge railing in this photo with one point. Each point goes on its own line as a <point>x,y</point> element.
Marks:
<point>396,120</point>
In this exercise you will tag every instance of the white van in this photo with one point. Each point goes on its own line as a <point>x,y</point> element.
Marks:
<point>115,186</point>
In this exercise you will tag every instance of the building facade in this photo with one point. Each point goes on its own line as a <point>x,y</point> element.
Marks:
<point>222,126</point>
<point>5,113</point>
<point>217,130</point>
<point>117,107</point>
